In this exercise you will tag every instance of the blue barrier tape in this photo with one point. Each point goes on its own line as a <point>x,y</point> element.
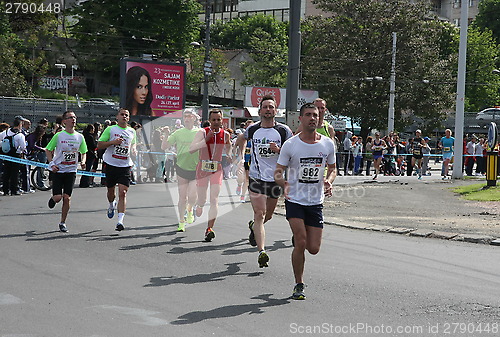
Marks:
<point>44,165</point>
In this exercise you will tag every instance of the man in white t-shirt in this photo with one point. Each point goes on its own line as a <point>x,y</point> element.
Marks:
<point>62,154</point>
<point>306,155</point>
<point>119,141</point>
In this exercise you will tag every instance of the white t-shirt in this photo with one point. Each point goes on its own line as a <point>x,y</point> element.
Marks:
<point>263,160</point>
<point>118,155</point>
<point>306,163</point>
<point>66,147</point>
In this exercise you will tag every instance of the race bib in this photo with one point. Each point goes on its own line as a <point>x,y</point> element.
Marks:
<point>310,170</point>
<point>209,166</point>
<point>120,152</point>
<point>416,152</point>
<point>247,150</point>
<point>447,149</point>
<point>377,148</point>
<point>265,151</point>
<point>69,157</point>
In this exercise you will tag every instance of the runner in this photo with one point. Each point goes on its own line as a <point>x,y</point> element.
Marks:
<point>185,166</point>
<point>306,155</point>
<point>446,144</point>
<point>267,137</point>
<point>377,149</point>
<point>62,154</point>
<point>120,142</point>
<point>211,141</point>
<point>243,148</point>
<point>417,154</point>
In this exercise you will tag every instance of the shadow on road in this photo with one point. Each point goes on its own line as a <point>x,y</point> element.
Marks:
<point>233,269</point>
<point>232,310</point>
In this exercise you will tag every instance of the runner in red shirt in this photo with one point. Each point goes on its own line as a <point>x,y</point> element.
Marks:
<point>212,142</point>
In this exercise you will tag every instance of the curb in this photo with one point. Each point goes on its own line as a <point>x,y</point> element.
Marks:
<point>471,238</point>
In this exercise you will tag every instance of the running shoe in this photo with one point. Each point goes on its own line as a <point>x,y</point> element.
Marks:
<point>62,228</point>
<point>238,190</point>
<point>52,203</point>
<point>263,259</point>
<point>111,210</point>
<point>251,237</point>
<point>209,235</point>
<point>190,216</point>
<point>242,199</point>
<point>298,292</point>
<point>119,227</point>
<point>182,226</point>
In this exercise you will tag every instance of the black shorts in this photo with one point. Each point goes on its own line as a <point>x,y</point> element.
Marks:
<point>188,175</point>
<point>63,183</point>
<point>246,165</point>
<point>271,189</point>
<point>312,215</point>
<point>117,175</point>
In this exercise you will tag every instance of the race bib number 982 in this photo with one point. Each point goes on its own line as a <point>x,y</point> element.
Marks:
<point>310,170</point>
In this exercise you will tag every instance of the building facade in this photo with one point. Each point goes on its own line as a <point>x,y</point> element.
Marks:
<point>446,10</point>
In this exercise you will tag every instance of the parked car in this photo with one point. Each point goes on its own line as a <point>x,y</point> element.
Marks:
<point>101,102</point>
<point>488,115</point>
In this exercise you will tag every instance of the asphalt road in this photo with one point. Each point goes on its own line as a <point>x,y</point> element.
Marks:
<point>151,281</point>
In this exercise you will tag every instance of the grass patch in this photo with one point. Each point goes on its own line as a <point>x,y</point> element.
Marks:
<point>479,192</point>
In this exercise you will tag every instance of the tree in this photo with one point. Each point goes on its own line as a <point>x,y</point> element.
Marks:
<point>108,30</point>
<point>482,85</point>
<point>489,10</point>
<point>354,44</point>
<point>266,41</point>
<point>23,37</point>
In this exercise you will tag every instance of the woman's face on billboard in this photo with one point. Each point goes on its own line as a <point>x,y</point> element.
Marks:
<point>141,90</point>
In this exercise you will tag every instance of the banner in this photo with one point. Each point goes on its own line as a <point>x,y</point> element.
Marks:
<point>253,96</point>
<point>150,88</point>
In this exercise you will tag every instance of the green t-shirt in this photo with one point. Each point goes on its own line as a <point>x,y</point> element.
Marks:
<point>182,140</point>
<point>323,129</point>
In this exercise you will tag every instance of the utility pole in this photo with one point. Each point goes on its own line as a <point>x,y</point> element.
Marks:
<point>392,89</point>
<point>207,66</point>
<point>459,115</point>
<point>292,87</point>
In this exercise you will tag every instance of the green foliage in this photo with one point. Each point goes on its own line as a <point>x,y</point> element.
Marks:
<point>482,89</point>
<point>108,30</point>
<point>266,41</point>
<point>488,17</point>
<point>22,40</point>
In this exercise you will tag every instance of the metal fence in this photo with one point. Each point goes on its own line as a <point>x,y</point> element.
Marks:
<point>36,108</point>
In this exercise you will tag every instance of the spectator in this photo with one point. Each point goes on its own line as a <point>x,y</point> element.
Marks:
<point>369,154</point>
<point>347,152</point>
<point>11,169</point>
<point>90,140</point>
<point>470,158</point>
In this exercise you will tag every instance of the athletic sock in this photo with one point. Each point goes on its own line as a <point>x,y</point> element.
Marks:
<point>120,217</point>
<point>112,204</point>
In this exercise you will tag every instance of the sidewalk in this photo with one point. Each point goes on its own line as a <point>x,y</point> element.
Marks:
<point>406,205</point>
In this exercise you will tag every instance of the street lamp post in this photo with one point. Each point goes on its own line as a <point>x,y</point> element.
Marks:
<point>62,66</point>
<point>207,67</point>
<point>392,88</point>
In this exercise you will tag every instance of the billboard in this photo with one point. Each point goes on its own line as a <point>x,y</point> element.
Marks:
<point>253,96</point>
<point>151,88</point>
